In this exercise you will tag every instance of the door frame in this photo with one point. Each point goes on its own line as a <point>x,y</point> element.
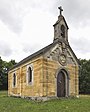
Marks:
<point>66,73</point>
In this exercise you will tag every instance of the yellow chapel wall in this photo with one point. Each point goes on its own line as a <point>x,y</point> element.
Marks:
<point>50,69</point>
<point>44,83</point>
<point>22,88</point>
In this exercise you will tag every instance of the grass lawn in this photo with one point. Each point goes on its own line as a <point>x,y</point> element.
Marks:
<point>10,104</point>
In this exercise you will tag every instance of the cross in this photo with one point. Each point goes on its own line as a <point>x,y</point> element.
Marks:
<point>60,8</point>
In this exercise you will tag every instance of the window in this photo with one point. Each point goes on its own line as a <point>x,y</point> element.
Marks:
<point>29,75</point>
<point>14,80</point>
<point>63,31</point>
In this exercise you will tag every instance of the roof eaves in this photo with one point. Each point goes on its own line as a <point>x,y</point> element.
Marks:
<point>36,54</point>
<point>74,55</point>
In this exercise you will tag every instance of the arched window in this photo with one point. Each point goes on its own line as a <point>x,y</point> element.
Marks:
<point>14,80</point>
<point>29,75</point>
<point>63,31</point>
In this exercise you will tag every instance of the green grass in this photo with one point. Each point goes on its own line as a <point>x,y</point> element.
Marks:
<point>10,104</point>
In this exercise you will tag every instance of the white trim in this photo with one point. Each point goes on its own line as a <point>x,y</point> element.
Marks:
<point>31,83</point>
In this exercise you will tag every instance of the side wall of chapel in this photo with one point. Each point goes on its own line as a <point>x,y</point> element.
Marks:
<point>22,88</point>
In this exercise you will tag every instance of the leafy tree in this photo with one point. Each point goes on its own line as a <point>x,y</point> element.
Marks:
<point>84,77</point>
<point>1,68</point>
<point>4,67</point>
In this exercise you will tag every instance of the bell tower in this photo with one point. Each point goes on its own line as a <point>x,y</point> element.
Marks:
<point>60,28</point>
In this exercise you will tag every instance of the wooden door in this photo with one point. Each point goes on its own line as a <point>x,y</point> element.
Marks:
<point>61,85</point>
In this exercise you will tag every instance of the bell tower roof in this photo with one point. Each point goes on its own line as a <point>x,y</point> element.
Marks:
<point>60,17</point>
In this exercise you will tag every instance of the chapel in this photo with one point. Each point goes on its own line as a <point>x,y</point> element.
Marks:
<point>52,71</point>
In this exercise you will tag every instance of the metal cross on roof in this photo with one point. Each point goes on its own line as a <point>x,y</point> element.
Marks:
<point>60,8</point>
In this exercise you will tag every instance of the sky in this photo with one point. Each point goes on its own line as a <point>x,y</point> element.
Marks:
<point>26,26</point>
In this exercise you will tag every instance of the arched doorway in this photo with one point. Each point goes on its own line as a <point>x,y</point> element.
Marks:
<point>62,84</point>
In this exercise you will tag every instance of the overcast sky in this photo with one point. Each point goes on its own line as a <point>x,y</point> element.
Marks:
<point>27,26</point>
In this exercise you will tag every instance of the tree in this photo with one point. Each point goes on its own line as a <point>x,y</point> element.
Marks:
<point>1,68</point>
<point>4,67</point>
<point>84,77</point>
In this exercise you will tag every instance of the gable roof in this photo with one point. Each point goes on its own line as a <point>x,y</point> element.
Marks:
<point>34,55</point>
<point>74,55</point>
<point>41,52</point>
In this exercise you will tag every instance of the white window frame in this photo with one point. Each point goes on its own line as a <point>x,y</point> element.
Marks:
<point>27,75</point>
